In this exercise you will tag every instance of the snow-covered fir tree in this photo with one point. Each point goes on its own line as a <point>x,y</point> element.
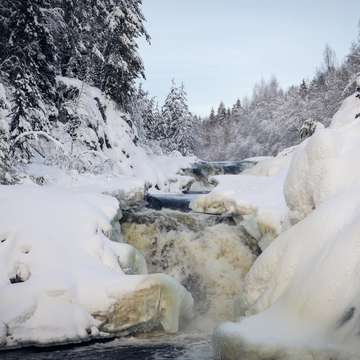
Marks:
<point>28,66</point>
<point>178,121</point>
<point>303,91</point>
<point>184,138</point>
<point>221,112</point>
<point>99,45</point>
<point>122,62</point>
<point>7,172</point>
<point>91,41</point>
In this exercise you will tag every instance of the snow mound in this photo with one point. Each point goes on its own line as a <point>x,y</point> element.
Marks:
<point>301,298</point>
<point>67,279</point>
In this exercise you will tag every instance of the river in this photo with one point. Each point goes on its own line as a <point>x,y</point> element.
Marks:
<point>208,254</point>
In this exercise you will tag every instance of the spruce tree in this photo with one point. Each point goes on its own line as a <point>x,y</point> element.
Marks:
<point>221,112</point>
<point>303,91</point>
<point>7,173</point>
<point>29,61</point>
<point>179,121</point>
<point>184,138</point>
<point>159,124</point>
<point>122,63</point>
<point>72,46</point>
<point>212,114</point>
<point>150,120</point>
<point>236,107</point>
<point>171,112</point>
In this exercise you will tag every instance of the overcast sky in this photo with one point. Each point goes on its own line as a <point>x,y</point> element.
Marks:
<point>221,48</point>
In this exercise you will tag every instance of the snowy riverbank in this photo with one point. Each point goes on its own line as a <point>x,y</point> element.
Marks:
<point>63,280</point>
<point>300,298</point>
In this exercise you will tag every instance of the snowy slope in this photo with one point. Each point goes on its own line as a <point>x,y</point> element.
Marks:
<point>109,141</point>
<point>301,297</point>
<point>91,135</point>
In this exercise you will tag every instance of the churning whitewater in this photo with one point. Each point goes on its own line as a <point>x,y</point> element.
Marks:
<point>208,254</point>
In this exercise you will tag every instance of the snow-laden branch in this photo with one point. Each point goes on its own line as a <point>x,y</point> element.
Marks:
<point>42,133</point>
<point>353,79</point>
<point>93,152</point>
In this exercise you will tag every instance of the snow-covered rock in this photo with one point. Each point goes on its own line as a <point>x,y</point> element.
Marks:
<point>301,297</point>
<point>62,280</point>
<point>255,197</point>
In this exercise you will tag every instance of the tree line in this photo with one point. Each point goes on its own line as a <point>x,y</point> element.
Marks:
<point>273,119</point>
<point>94,41</point>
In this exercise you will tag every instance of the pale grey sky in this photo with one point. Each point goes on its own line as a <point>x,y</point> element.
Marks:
<point>221,48</point>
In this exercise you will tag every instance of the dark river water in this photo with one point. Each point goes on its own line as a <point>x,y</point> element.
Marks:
<point>156,345</point>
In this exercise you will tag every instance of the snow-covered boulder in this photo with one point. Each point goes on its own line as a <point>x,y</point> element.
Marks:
<point>301,297</point>
<point>62,280</point>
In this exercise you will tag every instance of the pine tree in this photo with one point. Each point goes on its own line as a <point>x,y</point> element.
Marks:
<point>170,112</point>
<point>138,111</point>
<point>185,136</point>
<point>100,48</point>
<point>228,112</point>
<point>7,172</point>
<point>150,120</point>
<point>159,132</point>
<point>72,46</point>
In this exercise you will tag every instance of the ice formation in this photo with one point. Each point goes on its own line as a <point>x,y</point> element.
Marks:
<point>62,280</point>
<point>300,299</point>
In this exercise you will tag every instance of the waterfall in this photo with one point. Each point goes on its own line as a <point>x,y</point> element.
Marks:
<point>208,254</point>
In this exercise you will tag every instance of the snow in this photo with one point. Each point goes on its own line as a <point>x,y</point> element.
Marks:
<point>115,130</point>
<point>62,261</point>
<point>67,278</point>
<point>255,196</point>
<point>172,166</point>
<point>300,299</point>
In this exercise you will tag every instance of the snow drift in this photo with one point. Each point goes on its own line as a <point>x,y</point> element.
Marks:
<point>301,297</point>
